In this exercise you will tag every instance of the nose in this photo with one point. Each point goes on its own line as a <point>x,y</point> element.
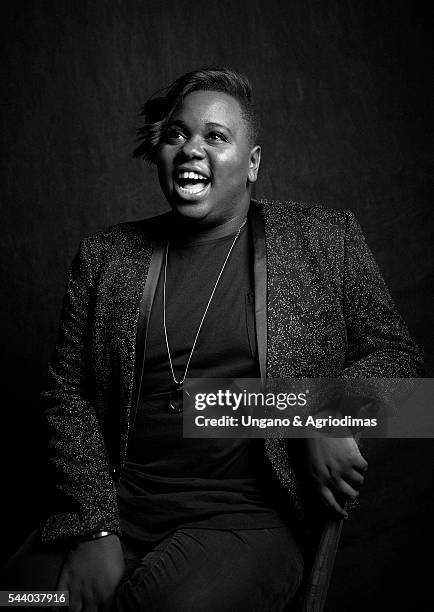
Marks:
<point>193,148</point>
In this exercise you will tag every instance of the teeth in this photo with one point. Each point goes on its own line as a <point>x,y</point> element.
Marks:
<point>191,175</point>
<point>194,189</point>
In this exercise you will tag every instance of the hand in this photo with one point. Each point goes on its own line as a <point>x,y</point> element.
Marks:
<point>91,573</point>
<point>337,468</point>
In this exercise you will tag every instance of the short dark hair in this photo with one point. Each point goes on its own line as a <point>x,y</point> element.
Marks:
<point>158,109</point>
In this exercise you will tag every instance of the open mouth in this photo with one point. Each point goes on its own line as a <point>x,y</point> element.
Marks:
<point>191,183</point>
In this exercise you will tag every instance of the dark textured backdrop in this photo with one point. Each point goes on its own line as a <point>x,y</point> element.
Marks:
<point>343,89</point>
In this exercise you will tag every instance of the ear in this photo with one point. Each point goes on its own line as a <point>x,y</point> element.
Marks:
<point>254,162</point>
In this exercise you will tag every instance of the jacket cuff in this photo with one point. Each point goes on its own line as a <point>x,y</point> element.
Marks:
<point>67,525</point>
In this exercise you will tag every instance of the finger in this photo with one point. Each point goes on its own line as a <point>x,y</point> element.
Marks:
<point>332,503</point>
<point>62,585</point>
<point>355,479</point>
<point>341,487</point>
<point>76,603</point>
<point>360,464</point>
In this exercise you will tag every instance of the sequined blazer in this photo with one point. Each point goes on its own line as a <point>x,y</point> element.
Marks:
<point>321,308</point>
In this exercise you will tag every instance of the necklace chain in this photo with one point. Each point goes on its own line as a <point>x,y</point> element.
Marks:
<point>179,383</point>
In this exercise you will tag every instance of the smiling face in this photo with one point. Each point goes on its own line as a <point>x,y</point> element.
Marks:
<point>206,164</point>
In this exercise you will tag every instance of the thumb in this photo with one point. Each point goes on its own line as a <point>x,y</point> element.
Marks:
<point>62,585</point>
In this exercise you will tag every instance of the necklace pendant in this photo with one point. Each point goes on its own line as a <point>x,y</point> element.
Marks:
<point>176,400</point>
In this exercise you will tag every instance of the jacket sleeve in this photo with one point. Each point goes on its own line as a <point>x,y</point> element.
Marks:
<point>379,343</point>
<point>84,495</point>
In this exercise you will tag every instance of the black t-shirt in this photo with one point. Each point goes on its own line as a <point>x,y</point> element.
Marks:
<point>169,481</point>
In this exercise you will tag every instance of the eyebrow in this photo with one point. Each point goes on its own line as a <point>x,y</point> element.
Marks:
<point>209,124</point>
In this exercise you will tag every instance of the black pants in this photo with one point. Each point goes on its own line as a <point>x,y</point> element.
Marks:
<point>203,570</point>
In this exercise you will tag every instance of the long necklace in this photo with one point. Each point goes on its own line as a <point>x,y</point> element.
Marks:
<point>176,397</point>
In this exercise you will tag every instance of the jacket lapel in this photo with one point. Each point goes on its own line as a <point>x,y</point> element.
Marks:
<point>143,323</point>
<point>260,282</point>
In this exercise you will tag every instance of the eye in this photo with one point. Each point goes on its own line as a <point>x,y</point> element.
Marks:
<point>217,136</point>
<point>173,134</point>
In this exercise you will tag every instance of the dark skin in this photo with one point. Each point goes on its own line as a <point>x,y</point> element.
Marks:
<point>208,135</point>
<point>91,573</point>
<point>337,469</point>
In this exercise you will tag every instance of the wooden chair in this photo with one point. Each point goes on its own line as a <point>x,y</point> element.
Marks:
<point>314,591</point>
